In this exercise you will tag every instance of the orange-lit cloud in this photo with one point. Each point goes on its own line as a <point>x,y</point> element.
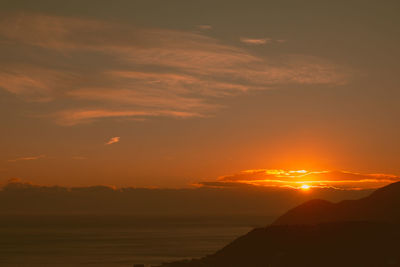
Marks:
<point>255,41</point>
<point>34,83</point>
<point>298,178</point>
<point>104,69</point>
<point>27,158</point>
<point>113,140</point>
<point>73,117</point>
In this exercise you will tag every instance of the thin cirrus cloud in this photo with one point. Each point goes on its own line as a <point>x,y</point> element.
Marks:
<point>73,117</point>
<point>113,140</point>
<point>27,158</point>
<point>100,69</point>
<point>204,27</point>
<point>296,178</point>
<point>255,41</point>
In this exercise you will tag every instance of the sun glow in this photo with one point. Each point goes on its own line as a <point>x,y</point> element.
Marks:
<point>305,187</point>
<point>308,180</point>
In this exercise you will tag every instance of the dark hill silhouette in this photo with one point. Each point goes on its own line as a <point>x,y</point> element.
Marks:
<point>383,205</point>
<point>351,244</point>
<point>354,233</point>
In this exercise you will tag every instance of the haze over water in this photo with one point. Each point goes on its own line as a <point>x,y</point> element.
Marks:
<point>115,240</point>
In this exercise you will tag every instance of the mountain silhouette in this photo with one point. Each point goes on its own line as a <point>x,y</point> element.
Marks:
<point>362,232</point>
<point>383,205</point>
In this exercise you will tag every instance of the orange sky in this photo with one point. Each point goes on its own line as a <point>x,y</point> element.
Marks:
<point>171,94</point>
<point>304,179</point>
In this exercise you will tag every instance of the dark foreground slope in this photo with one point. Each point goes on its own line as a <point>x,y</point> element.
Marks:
<point>363,232</point>
<point>337,244</point>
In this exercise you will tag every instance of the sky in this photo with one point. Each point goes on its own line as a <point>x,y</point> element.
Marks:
<point>175,94</point>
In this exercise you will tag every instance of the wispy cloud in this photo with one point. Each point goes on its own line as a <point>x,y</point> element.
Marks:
<point>297,178</point>
<point>113,140</point>
<point>34,84</point>
<point>27,158</point>
<point>205,27</point>
<point>255,41</point>
<point>73,117</point>
<point>103,70</point>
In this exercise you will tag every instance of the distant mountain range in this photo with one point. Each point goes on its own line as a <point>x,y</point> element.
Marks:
<point>364,232</point>
<point>383,205</point>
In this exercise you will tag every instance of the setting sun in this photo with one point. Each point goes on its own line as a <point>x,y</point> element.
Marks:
<point>305,187</point>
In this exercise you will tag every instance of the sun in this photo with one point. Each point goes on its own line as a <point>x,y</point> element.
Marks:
<point>305,187</point>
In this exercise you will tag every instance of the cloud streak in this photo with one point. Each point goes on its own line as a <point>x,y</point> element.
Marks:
<point>255,41</point>
<point>73,117</point>
<point>27,158</point>
<point>113,140</point>
<point>204,27</point>
<point>102,70</point>
<point>297,178</point>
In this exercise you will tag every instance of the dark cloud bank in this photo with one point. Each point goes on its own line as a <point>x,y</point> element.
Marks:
<point>24,198</point>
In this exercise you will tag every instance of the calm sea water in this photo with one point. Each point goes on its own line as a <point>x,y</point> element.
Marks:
<point>115,240</point>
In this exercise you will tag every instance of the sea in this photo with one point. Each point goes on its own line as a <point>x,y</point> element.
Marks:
<point>117,240</point>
